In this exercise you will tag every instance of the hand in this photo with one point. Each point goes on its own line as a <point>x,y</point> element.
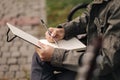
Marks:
<point>45,53</point>
<point>56,33</point>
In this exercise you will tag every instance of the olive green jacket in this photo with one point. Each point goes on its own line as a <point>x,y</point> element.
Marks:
<point>101,17</point>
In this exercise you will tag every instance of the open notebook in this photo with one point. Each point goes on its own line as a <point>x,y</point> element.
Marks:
<point>72,44</point>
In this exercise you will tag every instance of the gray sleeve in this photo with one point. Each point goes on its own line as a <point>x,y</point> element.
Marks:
<point>76,26</point>
<point>66,59</point>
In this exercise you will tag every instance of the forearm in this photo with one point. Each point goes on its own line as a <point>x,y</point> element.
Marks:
<point>75,27</point>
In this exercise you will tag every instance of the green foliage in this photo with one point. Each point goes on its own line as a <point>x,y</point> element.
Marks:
<point>58,10</point>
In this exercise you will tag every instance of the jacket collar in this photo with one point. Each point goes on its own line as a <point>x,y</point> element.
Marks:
<point>99,1</point>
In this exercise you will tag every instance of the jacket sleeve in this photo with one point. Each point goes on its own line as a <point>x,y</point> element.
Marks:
<point>76,26</point>
<point>67,59</point>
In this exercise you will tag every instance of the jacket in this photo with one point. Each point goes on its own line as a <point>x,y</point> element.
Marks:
<point>100,17</point>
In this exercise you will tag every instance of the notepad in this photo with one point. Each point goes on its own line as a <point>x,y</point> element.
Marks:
<point>71,44</point>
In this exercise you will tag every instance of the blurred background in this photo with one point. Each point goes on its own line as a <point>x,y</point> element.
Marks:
<point>16,56</point>
<point>57,11</point>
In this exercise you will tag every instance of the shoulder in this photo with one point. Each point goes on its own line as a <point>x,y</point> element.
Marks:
<point>115,4</point>
<point>114,7</point>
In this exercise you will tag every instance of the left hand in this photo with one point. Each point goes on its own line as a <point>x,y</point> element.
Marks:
<point>45,53</point>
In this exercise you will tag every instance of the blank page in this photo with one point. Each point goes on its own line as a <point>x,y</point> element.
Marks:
<point>72,44</point>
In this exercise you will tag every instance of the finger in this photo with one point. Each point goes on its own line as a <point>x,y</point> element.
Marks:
<point>40,52</point>
<point>38,49</point>
<point>41,45</point>
<point>48,37</point>
<point>53,34</point>
<point>47,34</point>
<point>51,29</point>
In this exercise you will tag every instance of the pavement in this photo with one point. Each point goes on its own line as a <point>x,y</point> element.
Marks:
<point>16,56</point>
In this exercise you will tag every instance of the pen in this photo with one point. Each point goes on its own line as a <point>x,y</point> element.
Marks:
<point>48,31</point>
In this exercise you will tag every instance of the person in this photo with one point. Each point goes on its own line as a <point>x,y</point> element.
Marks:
<point>102,17</point>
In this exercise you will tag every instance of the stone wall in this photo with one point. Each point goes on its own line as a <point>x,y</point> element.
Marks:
<point>16,56</point>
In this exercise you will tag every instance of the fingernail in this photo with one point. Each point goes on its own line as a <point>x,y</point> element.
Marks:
<point>53,35</point>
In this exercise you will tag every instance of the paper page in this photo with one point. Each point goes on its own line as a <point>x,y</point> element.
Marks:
<point>72,44</point>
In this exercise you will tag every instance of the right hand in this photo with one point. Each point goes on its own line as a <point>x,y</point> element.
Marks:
<point>56,33</point>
